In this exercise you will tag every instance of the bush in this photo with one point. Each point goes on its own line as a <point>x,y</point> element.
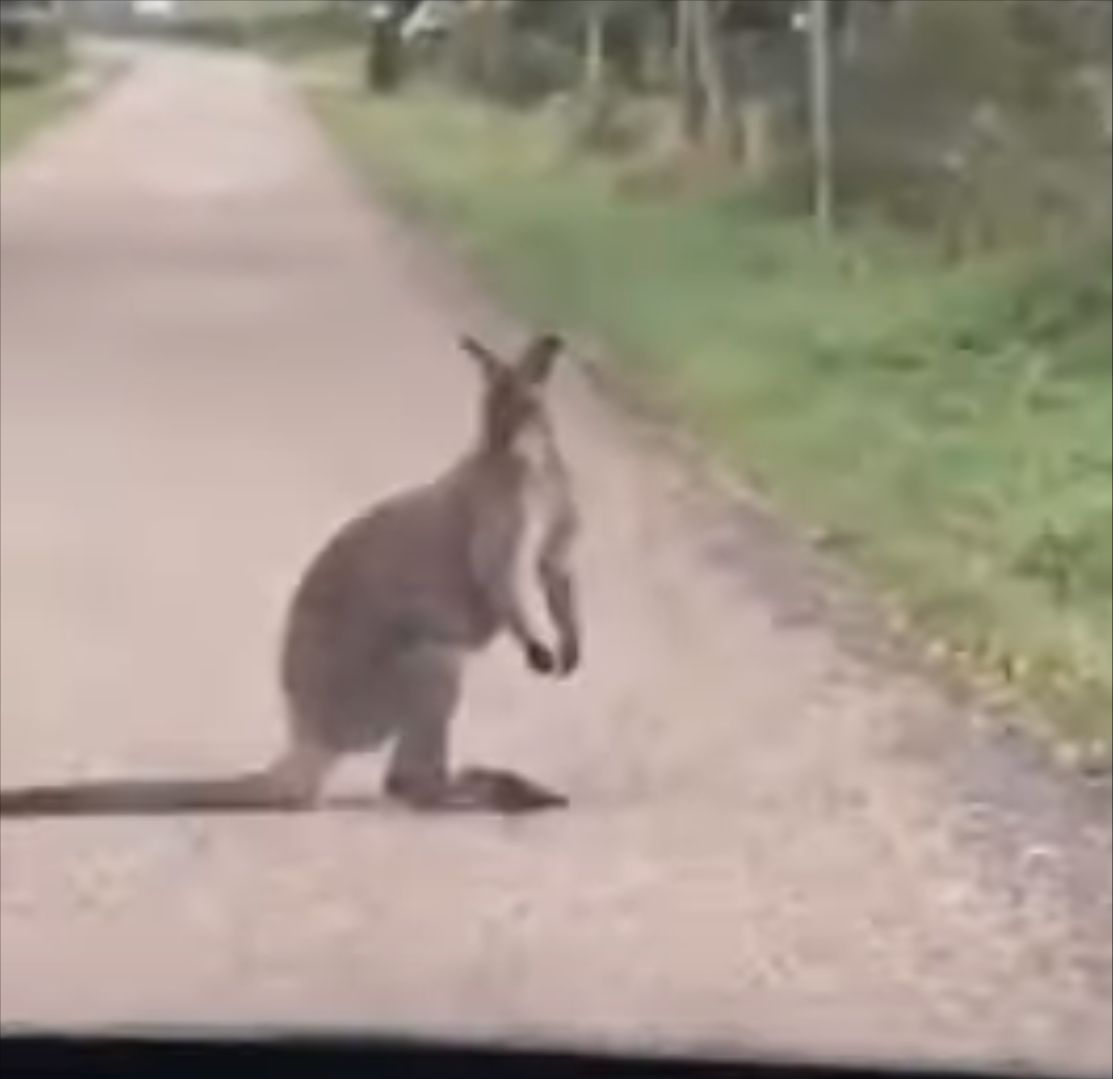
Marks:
<point>979,121</point>
<point>535,67</point>
<point>33,45</point>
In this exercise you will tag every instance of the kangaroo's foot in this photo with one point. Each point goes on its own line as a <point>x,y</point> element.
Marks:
<point>477,790</point>
<point>507,792</point>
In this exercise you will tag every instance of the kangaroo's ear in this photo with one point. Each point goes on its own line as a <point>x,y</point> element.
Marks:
<point>536,363</point>
<point>489,363</point>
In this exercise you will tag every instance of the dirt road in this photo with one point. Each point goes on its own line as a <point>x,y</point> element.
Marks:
<point>214,351</point>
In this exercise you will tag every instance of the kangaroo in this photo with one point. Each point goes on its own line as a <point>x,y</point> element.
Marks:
<point>383,619</point>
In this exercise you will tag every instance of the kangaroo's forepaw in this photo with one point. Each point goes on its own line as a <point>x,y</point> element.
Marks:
<point>540,659</point>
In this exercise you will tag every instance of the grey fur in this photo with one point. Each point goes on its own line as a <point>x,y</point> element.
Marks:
<point>385,616</point>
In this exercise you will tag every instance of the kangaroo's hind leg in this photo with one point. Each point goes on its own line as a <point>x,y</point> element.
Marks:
<point>426,691</point>
<point>423,690</point>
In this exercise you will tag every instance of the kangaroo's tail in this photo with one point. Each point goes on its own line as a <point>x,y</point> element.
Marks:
<point>255,791</point>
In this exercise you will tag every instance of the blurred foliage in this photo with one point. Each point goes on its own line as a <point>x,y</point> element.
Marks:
<point>33,43</point>
<point>984,122</point>
<point>981,120</point>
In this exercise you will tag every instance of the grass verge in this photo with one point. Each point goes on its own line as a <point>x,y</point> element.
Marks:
<point>949,427</point>
<point>27,106</point>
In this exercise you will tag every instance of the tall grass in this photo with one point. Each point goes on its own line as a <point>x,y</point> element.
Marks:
<point>949,424</point>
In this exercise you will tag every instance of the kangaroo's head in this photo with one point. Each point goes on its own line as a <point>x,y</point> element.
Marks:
<point>513,405</point>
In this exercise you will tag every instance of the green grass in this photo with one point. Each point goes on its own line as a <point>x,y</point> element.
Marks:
<point>950,425</point>
<point>25,107</point>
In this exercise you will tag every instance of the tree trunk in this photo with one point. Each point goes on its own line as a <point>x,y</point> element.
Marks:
<point>595,47</point>
<point>708,114</point>
<point>480,46</point>
<point>819,53</point>
<point>721,130</point>
<point>384,56</point>
<point>693,103</point>
<point>492,46</point>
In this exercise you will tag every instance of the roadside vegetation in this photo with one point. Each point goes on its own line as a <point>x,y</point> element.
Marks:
<point>26,108</point>
<point>34,59</point>
<point>925,384</point>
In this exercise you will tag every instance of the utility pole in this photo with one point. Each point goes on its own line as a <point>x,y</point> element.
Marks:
<point>819,70</point>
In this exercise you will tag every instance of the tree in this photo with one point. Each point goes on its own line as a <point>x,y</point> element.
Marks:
<point>384,57</point>
<point>722,132</point>
<point>595,47</point>
<point>819,51</point>
<point>690,89</point>
<point>708,113</point>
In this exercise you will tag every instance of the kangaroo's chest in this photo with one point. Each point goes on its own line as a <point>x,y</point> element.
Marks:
<point>543,501</point>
